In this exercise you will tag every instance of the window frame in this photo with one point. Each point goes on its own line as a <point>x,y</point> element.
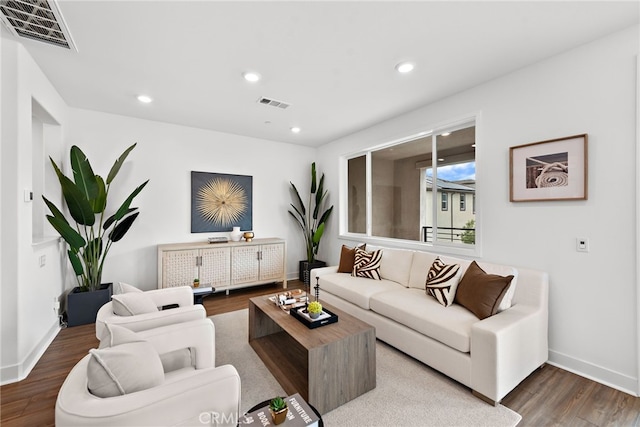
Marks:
<point>435,244</point>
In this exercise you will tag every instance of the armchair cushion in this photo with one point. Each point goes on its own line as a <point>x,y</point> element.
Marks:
<point>133,303</point>
<point>123,288</point>
<point>123,369</point>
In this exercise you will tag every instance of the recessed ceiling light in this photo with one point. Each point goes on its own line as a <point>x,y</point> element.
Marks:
<point>405,67</point>
<point>441,160</point>
<point>145,99</point>
<point>295,129</point>
<point>251,76</point>
<point>473,145</point>
<point>446,134</point>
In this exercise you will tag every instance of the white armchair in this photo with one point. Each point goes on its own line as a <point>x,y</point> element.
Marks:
<point>139,311</point>
<point>199,394</point>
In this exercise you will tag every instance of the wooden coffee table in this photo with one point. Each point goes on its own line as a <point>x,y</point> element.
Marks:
<point>328,366</point>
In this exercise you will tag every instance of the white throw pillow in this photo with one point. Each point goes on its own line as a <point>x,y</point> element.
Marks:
<point>132,303</point>
<point>123,288</point>
<point>123,369</point>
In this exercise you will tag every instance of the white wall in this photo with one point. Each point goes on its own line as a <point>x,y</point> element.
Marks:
<point>591,89</point>
<point>29,321</point>
<point>166,154</point>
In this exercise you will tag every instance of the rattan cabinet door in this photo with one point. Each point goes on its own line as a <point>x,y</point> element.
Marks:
<point>272,262</point>
<point>215,268</point>
<point>179,268</point>
<point>245,264</point>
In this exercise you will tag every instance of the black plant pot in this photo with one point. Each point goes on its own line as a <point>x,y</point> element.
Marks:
<point>306,267</point>
<point>82,307</point>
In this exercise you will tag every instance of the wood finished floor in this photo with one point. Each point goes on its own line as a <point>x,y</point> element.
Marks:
<point>549,397</point>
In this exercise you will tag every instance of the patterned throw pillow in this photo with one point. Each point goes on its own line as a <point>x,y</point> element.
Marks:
<point>367,264</point>
<point>442,281</point>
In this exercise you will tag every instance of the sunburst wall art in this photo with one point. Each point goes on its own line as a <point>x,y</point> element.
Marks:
<point>220,202</point>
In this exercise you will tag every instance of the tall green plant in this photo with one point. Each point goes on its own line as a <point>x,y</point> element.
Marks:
<point>92,235</point>
<point>310,221</point>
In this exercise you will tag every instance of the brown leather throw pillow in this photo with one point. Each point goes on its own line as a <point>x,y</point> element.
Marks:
<point>480,292</point>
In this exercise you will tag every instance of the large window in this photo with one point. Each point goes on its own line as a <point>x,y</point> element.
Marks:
<point>416,189</point>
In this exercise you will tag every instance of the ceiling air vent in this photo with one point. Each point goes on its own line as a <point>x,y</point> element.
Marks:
<point>39,20</point>
<point>273,103</point>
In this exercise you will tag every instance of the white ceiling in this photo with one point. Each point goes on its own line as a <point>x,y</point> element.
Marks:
<point>332,61</point>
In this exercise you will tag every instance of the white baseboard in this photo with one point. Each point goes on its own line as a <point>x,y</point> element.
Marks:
<point>593,372</point>
<point>18,372</point>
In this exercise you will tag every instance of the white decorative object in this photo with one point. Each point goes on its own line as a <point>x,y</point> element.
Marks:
<point>236,234</point>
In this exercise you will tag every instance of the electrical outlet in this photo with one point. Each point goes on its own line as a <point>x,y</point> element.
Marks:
<point>43,260</point>
<point>582,244</point>
<point>56,305</point>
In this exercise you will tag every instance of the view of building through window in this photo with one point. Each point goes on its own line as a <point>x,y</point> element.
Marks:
<point>403,204</point>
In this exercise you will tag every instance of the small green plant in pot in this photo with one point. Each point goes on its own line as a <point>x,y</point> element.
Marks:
<point>278,408</point>
<point>315,309</point>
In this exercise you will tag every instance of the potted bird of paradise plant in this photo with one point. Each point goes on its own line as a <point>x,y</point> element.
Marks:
<point>89,233</point>
<point>311,219</point>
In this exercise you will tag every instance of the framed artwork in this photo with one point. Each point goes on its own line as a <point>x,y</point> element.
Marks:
<point>549,170</point>
<point>220,202</point>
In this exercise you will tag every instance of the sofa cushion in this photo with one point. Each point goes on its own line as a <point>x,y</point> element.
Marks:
<point>442,281</point>
<point>356,290</point>
<point>132,303</point>
<point>367,264</point>
<point>347,256</point>
<point>417,310</point>
<point>123,369</point>
<point>480,292</point>
<point>396,265</point>
<point>420,266</point>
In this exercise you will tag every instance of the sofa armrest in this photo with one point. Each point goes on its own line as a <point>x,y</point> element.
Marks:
<point>190,400</point>
<point>198,335</point>
<point>146,321</point>
<point>181,295</point>
<point>506,348</point>
<point>317,272</point>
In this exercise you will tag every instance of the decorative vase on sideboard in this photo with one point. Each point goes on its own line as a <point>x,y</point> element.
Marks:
<point>305,270</point>
<point>82,307</point>
<point>236,234</point>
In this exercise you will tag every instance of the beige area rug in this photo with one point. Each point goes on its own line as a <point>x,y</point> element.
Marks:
<point>408,393</point>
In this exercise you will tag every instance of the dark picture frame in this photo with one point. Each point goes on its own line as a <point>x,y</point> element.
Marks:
<point>555,169</point>
<point>220,202</point>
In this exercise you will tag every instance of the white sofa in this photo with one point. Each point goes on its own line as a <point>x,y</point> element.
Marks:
<point>491,356</point>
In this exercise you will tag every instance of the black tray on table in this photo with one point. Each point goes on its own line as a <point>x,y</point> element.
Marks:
<point>326,318</point>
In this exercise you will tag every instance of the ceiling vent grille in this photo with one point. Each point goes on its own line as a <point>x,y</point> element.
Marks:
<point>273,103</point>
<point>39,20</point>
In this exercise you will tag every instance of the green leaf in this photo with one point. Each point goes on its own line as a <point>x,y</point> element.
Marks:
<point>300,223</point>
<point>313,177</point>
<point>83,174</point>
<point>118,164</point>
<point>320,195</point>
<point>100,200</point>
<point>71,236</point>
<point>112,218</point>
<point>302,208</point>
<point>123,226</point>
<point>75,263</point>
<point>79,207</point>
<point>325,216</point>
<point>54,210</point>
<point>318,234</point>
<point>124,208</point>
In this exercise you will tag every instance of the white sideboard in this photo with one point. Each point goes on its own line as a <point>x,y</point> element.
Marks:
<point>223,266</point>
